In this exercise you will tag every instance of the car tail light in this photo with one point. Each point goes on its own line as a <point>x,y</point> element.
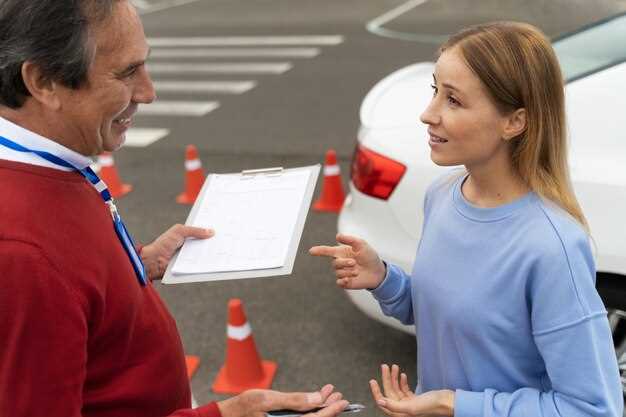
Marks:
<point>374,174</point>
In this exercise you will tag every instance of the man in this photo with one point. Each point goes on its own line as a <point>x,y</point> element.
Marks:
<point>82,330</point>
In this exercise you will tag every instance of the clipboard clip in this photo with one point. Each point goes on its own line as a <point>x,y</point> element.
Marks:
<point>251,173</point>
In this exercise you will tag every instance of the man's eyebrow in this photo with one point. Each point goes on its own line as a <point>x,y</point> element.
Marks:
<point>136,64</point>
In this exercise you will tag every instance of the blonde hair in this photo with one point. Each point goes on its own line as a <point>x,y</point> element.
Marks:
<point>519,69</point>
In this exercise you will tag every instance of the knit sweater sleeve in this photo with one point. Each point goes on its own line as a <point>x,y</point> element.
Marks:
<point>208,410</point>
<point>43,334</point>
<point>572,334</point>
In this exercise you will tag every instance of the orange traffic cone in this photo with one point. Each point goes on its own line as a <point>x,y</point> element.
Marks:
<point>108,174</point>
<point>192,363</point>
<point>332,191</point>
<point>243,369</point>
<point>194,177</point>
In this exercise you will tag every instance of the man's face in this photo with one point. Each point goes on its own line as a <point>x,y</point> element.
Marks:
<point>96,116</point>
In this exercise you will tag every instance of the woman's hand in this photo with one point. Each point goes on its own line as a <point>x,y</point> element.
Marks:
<point>357,265</point>
<point>400,401</point>
<point>157,255</point>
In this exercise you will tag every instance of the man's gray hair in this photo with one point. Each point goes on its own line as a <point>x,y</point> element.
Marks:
<point>52,34</point>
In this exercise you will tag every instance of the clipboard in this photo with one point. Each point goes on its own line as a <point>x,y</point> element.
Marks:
<point>171,278</point>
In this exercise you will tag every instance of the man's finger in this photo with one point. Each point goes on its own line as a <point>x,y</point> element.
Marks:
<point>333,398</point>
<point>195,232</point>
<point>330,411</point>
<point>301,401</point>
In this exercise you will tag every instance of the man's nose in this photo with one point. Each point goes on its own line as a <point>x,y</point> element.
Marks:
<point>144,90</point>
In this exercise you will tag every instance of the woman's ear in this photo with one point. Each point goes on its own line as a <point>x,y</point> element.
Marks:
<point>40,87</point>
<point>515,124</point>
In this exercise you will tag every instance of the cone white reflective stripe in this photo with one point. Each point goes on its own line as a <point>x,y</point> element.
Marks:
<point>194,403</point>
<point>239,332</point>
<point>105,160</point>
<point>331,170</point>
<point>193,165</point>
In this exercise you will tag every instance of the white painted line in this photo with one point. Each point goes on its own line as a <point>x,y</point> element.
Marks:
<point>145,7</point>
<point>141,137</point>
<point>178,108</point>
<point>375,26</point>
<point>221,68</point>
<point>224,87</point>
<point>237,52</point>
<point>247,41</point>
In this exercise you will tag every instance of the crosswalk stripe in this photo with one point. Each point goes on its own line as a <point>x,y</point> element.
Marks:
<point>178,108</point>
<point>247,40</point>
<point>222,68</point>
<point>140,137</point>
<point>235,53</point>
<point>225,87</point>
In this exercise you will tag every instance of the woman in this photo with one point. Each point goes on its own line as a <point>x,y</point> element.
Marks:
<point>508,321</point>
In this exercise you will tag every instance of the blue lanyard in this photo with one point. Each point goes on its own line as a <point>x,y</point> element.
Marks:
<point>120,229</point>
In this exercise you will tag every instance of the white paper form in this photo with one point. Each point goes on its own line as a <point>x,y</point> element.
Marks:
<point>253,217</point>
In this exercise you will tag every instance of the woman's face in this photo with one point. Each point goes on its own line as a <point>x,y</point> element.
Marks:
<point>464,126</point>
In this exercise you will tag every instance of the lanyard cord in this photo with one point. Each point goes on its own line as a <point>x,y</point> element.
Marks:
<point>100,186</point>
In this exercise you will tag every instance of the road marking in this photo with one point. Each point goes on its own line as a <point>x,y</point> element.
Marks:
<point>145,7</point>
<point>141,137</point>
<point>178,108</point>
<point>237,52</point>
<point>225,87</point>
<point>375,26</point>
<point>247,40</point>
<point>221,68</point>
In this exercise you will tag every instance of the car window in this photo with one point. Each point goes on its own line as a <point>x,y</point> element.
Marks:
<point>593,48</point>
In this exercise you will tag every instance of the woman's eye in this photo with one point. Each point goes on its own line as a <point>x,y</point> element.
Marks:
<point>434,87</point>
<point>453,101</point>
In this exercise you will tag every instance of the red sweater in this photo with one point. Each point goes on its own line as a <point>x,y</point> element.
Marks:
<point>79,336</point>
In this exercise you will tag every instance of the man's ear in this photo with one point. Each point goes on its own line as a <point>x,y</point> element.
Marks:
<point>515,124</point>
<point>42,89</point>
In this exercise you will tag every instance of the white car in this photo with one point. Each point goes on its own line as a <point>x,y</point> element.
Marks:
<point>391,166</point>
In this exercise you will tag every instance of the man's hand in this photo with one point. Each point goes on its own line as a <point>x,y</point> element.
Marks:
<point>256,402</point>
<point>400,401</point>
<point>357,266</point>
<point>157,255</point>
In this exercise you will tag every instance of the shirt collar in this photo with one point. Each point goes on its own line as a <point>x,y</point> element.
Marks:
<point>34,141</point>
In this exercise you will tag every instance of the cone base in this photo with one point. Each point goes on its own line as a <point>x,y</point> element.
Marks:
<point>184,198</point>
<point>328,207</point>
<point>223,386</point>
<point>124,189</point>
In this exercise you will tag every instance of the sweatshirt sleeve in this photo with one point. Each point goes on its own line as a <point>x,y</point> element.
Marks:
<point>394,295</point>
<point>43,334</point>
<point>209,410</point>
<point>572,334</point>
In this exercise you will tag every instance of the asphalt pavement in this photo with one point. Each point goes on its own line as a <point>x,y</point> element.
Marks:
<point>291,114</point>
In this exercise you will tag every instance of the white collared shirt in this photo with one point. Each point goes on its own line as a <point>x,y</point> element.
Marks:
<point>32,140</point>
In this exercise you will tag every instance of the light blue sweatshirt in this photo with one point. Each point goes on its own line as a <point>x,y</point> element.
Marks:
<point>506,311</point>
